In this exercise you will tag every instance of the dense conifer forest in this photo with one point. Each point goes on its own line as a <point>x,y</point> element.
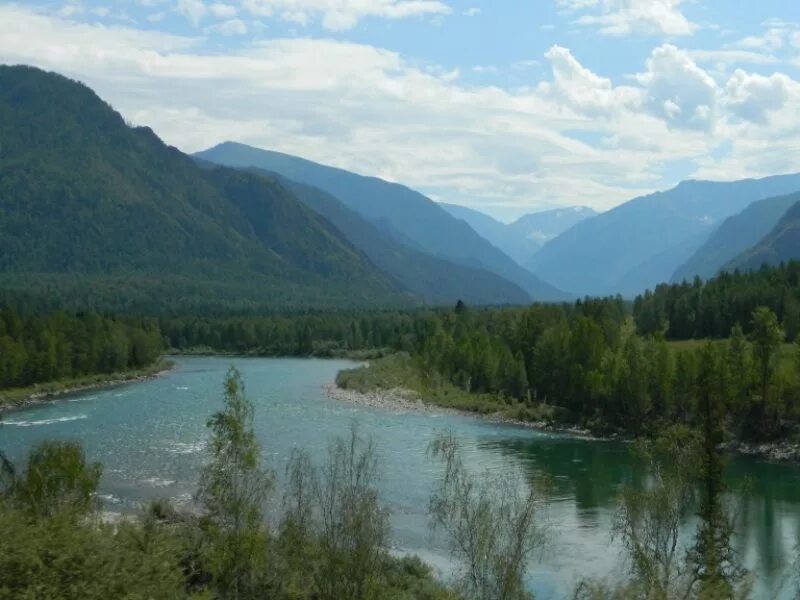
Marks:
<point>592,363</point>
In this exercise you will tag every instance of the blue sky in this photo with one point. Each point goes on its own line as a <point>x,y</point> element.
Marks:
<point>505,106</point>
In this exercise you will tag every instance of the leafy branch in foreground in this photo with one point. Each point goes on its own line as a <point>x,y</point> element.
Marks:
<point>234,488</point>
<point>490,523</point>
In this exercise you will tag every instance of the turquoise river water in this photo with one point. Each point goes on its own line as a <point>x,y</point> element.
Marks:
<point>150,438</point>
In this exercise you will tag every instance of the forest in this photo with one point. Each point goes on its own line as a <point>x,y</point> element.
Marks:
<point>59,346</point>
<point>591,363</point>
<point>709,309</point>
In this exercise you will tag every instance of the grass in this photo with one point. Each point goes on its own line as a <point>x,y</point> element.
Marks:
<point>400,371</point>
<point>15,397</point>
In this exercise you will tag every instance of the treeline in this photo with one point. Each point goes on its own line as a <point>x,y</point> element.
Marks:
<point>57,346</point>
<point>592,366</point>
<point>586,362</point>
<point>710,309</point>
<point>321,334</point>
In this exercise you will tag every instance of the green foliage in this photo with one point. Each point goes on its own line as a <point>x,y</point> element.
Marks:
<point>52,548</point>
<point>650,517</point>
<point>711,309</point>
<point>233,490</point>
<point>490,524</point>
<point>53,558</point>
<point>58,346</point>
<point>715,561</point>
<point>57,481</point>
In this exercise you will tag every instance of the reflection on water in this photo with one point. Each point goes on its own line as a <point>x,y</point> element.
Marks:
<point>150,439</point>
<point>764,498</point>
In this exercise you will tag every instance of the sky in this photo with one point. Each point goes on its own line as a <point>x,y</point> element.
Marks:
<point>505,106</point>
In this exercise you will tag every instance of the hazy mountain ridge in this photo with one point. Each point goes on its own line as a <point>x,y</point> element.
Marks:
<point>780,245</point>
<point>524,237</point>
<point>604,254</point>
<point>410,213</point>
<point>542,226</point>
<point>735,236</point>
<point>431,278</point>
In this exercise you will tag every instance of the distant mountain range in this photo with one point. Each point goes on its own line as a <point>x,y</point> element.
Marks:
<point>407,216</point>
<point>643,242</point>
<point>433,279</point>
<point>107,217</point>
<point>524,237</point>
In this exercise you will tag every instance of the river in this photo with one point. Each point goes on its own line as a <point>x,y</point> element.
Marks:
<point>150,438</point>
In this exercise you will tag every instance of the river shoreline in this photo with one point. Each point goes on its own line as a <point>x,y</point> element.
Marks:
<point>405,400</point>
<point>21,399</point>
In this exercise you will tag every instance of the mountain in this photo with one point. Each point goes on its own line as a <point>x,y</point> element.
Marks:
<point>408,216</point>
<point>610,253</point>
<point>779,245</point>
<point>496,233</point>
<point>435,280</point>
<point>111,217</point>
<point>540,227</point>
<point>524,237</point>
<point>734,236</point>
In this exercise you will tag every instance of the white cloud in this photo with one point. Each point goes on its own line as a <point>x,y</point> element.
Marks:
<point>472,12</point>
<point>770,40</point>
<point>582,90</point>
<point>679,90</point>
<point>373,111</point>
<point>754,97</point>
<point>230,27</point>
<point>728,57</point>
<point>340,15</point>
<point>193,10</point>
<point>223,11</point>
<point>626,17</point>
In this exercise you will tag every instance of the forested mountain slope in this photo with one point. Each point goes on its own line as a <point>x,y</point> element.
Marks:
<point>735,235</point>
<point>433,279</point>
<point>93,207</point>
<point>409,216</point>
<point>608,253</point>
<point>780,245</point>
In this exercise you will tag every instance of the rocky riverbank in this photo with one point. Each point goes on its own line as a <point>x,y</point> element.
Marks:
<point>784,451</point>
<point>406,400</point>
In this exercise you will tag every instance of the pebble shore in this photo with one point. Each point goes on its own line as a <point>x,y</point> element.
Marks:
<point>407,401</point>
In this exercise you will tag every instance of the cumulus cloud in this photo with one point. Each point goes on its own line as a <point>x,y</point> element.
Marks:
<point>678,90</point>
<point>754,97</point>
<point>579,88</point>
<point>626,17</point>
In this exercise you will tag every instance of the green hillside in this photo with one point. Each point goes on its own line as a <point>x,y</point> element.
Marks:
<point>780,245</point>
<point>88,202</point>
<point>734,236</point>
